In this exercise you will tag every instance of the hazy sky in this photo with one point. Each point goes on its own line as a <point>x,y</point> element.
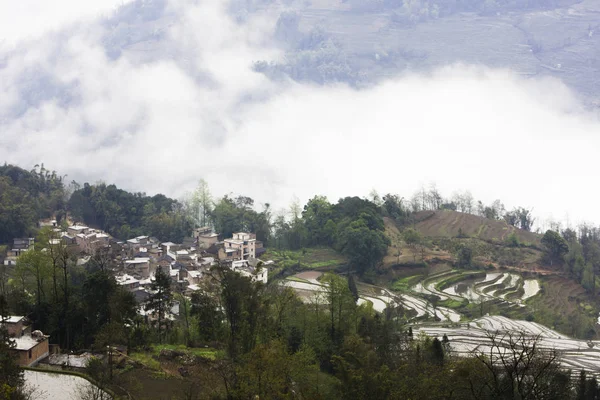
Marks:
<point>185,105</point>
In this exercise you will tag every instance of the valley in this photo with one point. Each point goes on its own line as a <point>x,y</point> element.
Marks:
<point>444,305</point>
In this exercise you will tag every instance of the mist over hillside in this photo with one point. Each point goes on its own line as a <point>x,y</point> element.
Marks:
<point>284,99</point>
<point>365,41</point>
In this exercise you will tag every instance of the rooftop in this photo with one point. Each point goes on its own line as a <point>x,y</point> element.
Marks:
<point>13,319</point>
<point>26,342</point>
<point>138,260</point>
<point>126,279</point>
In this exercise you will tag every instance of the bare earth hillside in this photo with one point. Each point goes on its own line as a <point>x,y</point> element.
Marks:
<point>445,223</point>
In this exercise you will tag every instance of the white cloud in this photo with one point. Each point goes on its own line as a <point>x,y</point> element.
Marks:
<point>201,112</point>
<point>30,19</point>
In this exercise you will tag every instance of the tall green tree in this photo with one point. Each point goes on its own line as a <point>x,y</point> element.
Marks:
<point>241,299</point>
<point>205,307</point>
<point>413,239</point>
<point>160,300</point>
<point>556,246</point>
<point>315,216</point>
<point>364,247</point>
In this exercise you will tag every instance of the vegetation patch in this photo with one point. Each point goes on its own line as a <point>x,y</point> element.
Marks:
<point>468,276</point>
<point>204,352</point>
<point>453,303</point>
<point>565,307</point>
<point>404,284</point>
<point>146,359</point>
<point>308,258</point>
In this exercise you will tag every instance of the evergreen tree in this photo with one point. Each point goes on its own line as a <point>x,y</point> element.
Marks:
<point>581,386</point>
<point>161,299</point>
<point>206,309</point>
<point>437,351</point>
<point>242,303</point>
<point>11,376</point>
<point>352,287</point>
<point>592,391</point>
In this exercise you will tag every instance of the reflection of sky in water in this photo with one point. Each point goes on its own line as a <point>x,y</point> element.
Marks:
<point>55,386</point>
<point>575,354</point>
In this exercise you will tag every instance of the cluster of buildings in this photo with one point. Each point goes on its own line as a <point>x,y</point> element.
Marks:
<point>134,263</point>
<point>19,246</point>
<point>188,263</point>
<point>83,239</point>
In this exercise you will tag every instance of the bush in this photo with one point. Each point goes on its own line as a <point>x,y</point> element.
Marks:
<point>512,240</point>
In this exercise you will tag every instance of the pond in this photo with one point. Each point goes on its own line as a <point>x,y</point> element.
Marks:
<point>53,386</point>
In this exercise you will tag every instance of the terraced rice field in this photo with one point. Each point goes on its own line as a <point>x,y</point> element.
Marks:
<point>457,287</point>
<point>474,337</point>
<point>311,290</point>
<point>436,301</point>
<point>53,386</point>
<point>473,286</point>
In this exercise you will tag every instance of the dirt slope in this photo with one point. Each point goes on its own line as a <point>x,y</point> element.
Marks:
<point>445,223</point>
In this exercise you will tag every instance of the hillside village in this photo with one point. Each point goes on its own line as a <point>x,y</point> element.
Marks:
<point>157,293</point>
<point>134,264</point>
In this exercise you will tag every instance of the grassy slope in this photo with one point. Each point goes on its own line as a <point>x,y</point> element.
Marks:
<point>448,223</point>
<point>155,378</point>
<point>486,237</point>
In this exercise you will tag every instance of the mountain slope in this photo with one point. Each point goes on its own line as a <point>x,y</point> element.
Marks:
<point>446,223</point>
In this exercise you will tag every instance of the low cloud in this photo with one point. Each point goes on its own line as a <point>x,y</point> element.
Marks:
<point>185,103</point>
<point>34,19</point>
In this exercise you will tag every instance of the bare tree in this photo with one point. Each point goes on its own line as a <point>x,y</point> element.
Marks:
<point>415,203</point>
<point>516,366</point>
<point>90,391</point>
<point>435,198</point>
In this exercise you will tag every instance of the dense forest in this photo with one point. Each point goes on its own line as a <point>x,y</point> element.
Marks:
<point>126,215</point>
<point>26,197</point>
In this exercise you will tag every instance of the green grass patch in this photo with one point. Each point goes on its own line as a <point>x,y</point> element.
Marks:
<point>308,258</point>
<point>404,284</point>
<point>453,303</point>
<point>205,352</point>
<point>146,359</point>
<point>149,359</point>
<point>296,279</point>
